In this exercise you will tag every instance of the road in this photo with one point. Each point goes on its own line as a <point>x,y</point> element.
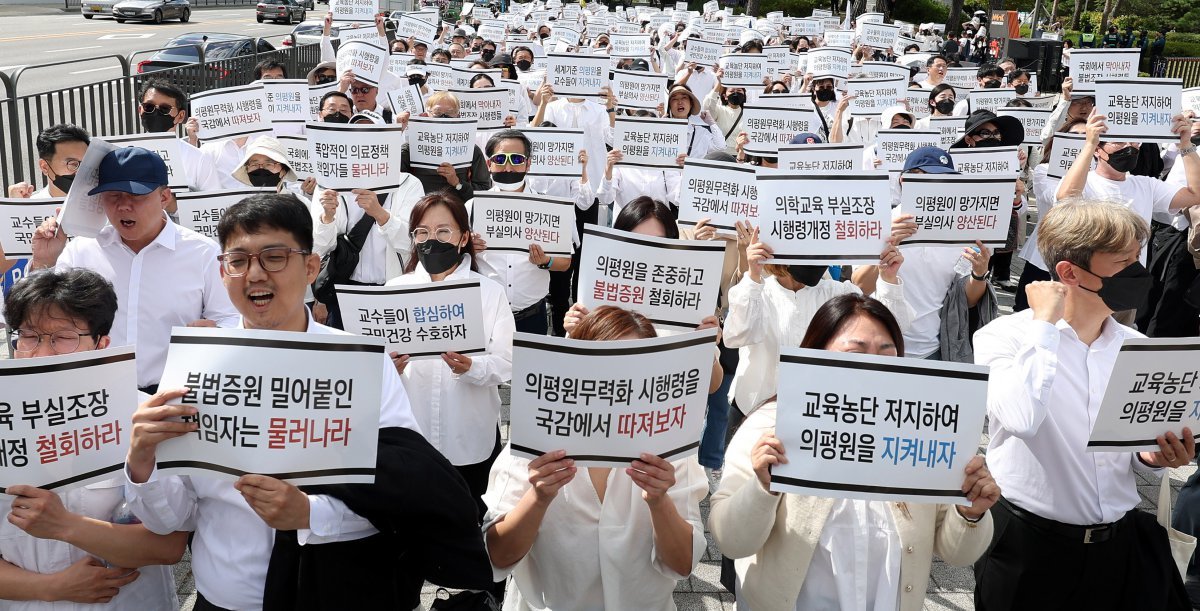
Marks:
<point>88,44</point>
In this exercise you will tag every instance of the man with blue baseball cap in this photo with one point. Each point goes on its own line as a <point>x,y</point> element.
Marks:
<point>142,252</point>
<point>928,160</point>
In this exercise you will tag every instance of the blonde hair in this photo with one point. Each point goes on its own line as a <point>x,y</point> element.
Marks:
<point>439,96</point>
<point>1077,228</point>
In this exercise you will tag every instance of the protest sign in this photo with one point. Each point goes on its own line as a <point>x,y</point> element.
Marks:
<point>491,29</point>
<point>828,62</point>
<point>630,45</point>
<point>722,192</point>
<point>409,25</point>
<point>711,7</point>
<point>987,160</point>
<point>346,157</point>
<point>674,283</point>
<point>407,99</point>
<point>315,93</point>
<point>799,62</point>
<point>872,96</point>
<point>953,210</point>
<point>639,90</point>
<point>777,56</point>
<point>510,222</point>
<point>1151,391</point>
<point>19,219</point>
<point>821,13</point>
<point>894,145</point>
<point>877,428</point>
<point>439,77</point>
<point>434,141</point>
<point>918,102</point>
<point>555,151</point>
<point>878,35</point>
<point>83,214</point>
<point>202,211</point>
<point>1049,100</point>
<point>885,70</point>
<point>577,76</point>
<point>421,321</point>
<point>768,128</point>
<point>354,10</point>
<point>1088,65</point>
<point>165,145</point>
<point>807,27</point>
<point>961,78</point>
<point>1191,99</point>
<point>565,35</point>
<point>1032,119</point>
<point>795,101</point>
<point>832,219</point>
<point>1140,109</point>
<point>743,69</point>
<point>365,59</point>
<point>286,100</point>
<point>702,53</point>
<point>67,417</point>
<point>489,106</point>
<point>949,127</point>
<point>464,75</point>
<point>822,158</point>
<point>300,407</point>
<point>298,154</point>
<point>714,35</point>
<point>230,112</point>
<point>989,99</point>
<point>607,403</point>
<point>349,32</point>
<point>837,39</point>
<point>1063,152</point>
<point>649,142</point>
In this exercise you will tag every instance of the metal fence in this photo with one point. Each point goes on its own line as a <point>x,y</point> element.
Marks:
<point>108,108</point>
<point>1186,68</point>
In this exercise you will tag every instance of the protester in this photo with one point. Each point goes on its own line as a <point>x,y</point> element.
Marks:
<point>941,104</point>
<point>60,150</point>
<point>724,104</point>
<point>935,68</point>
<point>267,165</point>
<point>163,109</point>
<point>989,76</point>
<point>463,182</point>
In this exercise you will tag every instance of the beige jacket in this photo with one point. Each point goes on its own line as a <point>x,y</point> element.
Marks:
<point>772,538</point>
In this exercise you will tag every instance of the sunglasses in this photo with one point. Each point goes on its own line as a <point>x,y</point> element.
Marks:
<point>162,109</point>
<point>509,158</point>
<point>365,89</point>
<point>988,134</point>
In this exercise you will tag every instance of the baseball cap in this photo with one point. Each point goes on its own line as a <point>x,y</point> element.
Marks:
<point>132,169</point>
<point>806,138</point>
<point>930,159</point>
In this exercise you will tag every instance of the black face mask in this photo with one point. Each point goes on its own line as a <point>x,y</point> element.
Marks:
<point>1124,290</point>
<point>63,182</point>
<point>416,80</point>
<point>437,257</point>
<point>524,65</point>
<point>543,36</point>
<point>263,177</point>
<point>1021,89</point>
<point>736,99</point>
<point>808,275</point>
<point>1123,160</point>
<point>508,178</point>
<point>826,95</point>
<point>475,49</point>
<point>321,80</point>
<point>988,143</point>
<point>488,54</point>
<point>1196,139</point>
<point>902,126</point>
<point>336,117</point>
<point>991,84</point>
<point>155,123</point>
<point>944,107</point>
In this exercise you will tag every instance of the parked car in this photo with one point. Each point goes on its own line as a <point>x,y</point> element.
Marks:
<point>286,11</point>
<point>217,46</point>
<point>309,32</point>
<point>91,8</point>
<point>152,10</point>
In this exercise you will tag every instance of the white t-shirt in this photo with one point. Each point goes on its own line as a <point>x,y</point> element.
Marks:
<point>928,272</point>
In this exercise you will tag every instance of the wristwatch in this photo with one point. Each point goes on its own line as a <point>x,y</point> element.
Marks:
<point>1187,151</point>
<point>612,110</point>
<point>983,278</point>
<point>547,264</point>
<point>458,187</point>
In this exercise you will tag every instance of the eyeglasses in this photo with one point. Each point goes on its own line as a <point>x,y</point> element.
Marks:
<point>237,264</point>
<point>364,89</point>
<point>72,165</point>
<point>989,134</point>
<point>779,91</point>
<point>420,235</point>
<point>26,341</point>
<point>162,109</point>
<point>509,158</point>
<point>261,165</point>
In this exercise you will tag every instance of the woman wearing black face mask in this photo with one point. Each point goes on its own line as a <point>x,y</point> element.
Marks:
<point>455,398</point>
<point>266,165</point>
<point>725,106</point>
<point>941,104</point>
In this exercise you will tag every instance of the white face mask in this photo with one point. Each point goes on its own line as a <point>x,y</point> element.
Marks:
<point>513,186</point>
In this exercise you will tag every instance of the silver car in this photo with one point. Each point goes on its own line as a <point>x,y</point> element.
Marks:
<point>91,8</point>
<point>152,10</point>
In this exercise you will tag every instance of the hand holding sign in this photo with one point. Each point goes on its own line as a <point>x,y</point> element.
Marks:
<point>152,427</point>
<point>281,505</point>
<point>48,243</point>
<point>1172,452</point>
<point>654,476</point>
<point>767,451</point>
<point>548,473</point>
<point>980,488</point>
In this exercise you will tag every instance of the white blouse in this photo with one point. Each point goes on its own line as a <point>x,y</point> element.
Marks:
<point>591,555</point>
<point>856,566</point>
<point>153,590</point>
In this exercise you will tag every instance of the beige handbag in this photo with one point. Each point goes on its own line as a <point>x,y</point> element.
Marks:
<point>1182,544</point>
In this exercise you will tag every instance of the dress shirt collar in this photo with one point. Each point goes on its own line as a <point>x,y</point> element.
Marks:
<point>462,272</point>
<point>167,238</point>
<point>1110,332</point>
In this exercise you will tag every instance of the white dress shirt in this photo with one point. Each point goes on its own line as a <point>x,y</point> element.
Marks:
<point>232,547</point>
<point>593,118</point>
<point>591,555</point>
<point>201,173</point>
<point>703,138</point>
<point>1044,393</point>
<point>153,590</point>
<point>174,281</point>
<point>1044,188</point>
<point>856,565</point>
<point>928,274</point>
<point>224,156</point>
<point>1176,179</point>
<point>630,182</point>
<point>764,316</point>
<point>702,83</point>
<point>383,252</point>
<point>459,413</point>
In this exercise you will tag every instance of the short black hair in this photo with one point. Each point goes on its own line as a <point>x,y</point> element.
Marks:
<point>934,58</point>
<point>335,94</point>
<point>1018,73</point>
<point>268,210</point>
<point>47,141</point>
<point>76,292</point>
<point>269,64</point>
<point>645,207</point>
<point>507,134</point>
<point>987,70</point>
<point>166,88</point>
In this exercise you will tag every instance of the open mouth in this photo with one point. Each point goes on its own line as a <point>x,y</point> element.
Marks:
<point>261,299</point>
<point>127,223</point>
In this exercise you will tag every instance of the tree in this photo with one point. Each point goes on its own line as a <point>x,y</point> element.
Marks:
<point>752,7</point>
<point>954,21</point>
<point>1075,15</point>
<point>1054,12</point>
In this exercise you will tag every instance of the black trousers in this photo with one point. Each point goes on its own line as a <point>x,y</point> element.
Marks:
<point>476,476</point>
<point>1166,313</point>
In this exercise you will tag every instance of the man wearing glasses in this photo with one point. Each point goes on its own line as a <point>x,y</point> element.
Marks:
<point>60,150</point>
<point>141,251</point>
<point>163,109</point>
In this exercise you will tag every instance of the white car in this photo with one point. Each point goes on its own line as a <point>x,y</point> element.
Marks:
<point>91,8</point>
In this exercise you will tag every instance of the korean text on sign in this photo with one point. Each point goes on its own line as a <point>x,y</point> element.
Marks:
<point>834,219</point>
<point>1154,388</point>
<point>419,320</point>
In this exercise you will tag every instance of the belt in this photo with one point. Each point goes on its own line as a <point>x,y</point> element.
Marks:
<point>1096,533</point>
<point>530,311</point>
<point>202,604</point>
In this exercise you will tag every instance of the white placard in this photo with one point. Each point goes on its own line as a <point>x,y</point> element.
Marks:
<point>674,283</point>
<point>711,7</point>
<point>650,143</point>
<point>873,96</point>
<point>230,112</point>
<point>989,160</point>
<point>794,101</point>
<point>202,211</point>
<point>885,70</point>
<point>354,10</point>
<point>703,53</point>
<point>577,76</point>
<point>630,45</point>
<point>346,157</point>
<point>300,407</point>
<point>1032,119</point>
<point>1191,99</point>
<point>83,214</point>
<point>510,222</point>
<point>315,93</point>
<point>68,418</point>
<point>833,219</point>
<point>743,69</point>
<point>19,219</point>
<point>366,60</point>
<point>768,128</point>
<point>961,77</point>
<point>878,35</point>
<point>350,32</point>
<point>1087,65</point>
<point>1151,391</point>
<point>839,39</point>
<point>894,145</point>
<point>824,158</point>
<point>957,210</point>
<point>492,29</point>
<point>1063,151</point>
<point>489,106</point>
<point>434,141</point>
<point>714,35</point>
<point>828,62</point>
<point>466,9</point>
<point>918,102</point>
<point>440,77</point>
<point>555,151</point>
<point>877,428</point>
<point>807,27</point>
<point>298,154</point>
<point>989,99</point>
<point>722,192</point>
<point>631,397</point>
<point>639,90</point>
<point>165,145</point>
<point>1139,110</point>
<point>411,26</point>
<point>407,99</point>
<point>821,13</point>
<point>949,127</point>
<point>421,321</point>
<point>286,100</point>
<point>398,63</point>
